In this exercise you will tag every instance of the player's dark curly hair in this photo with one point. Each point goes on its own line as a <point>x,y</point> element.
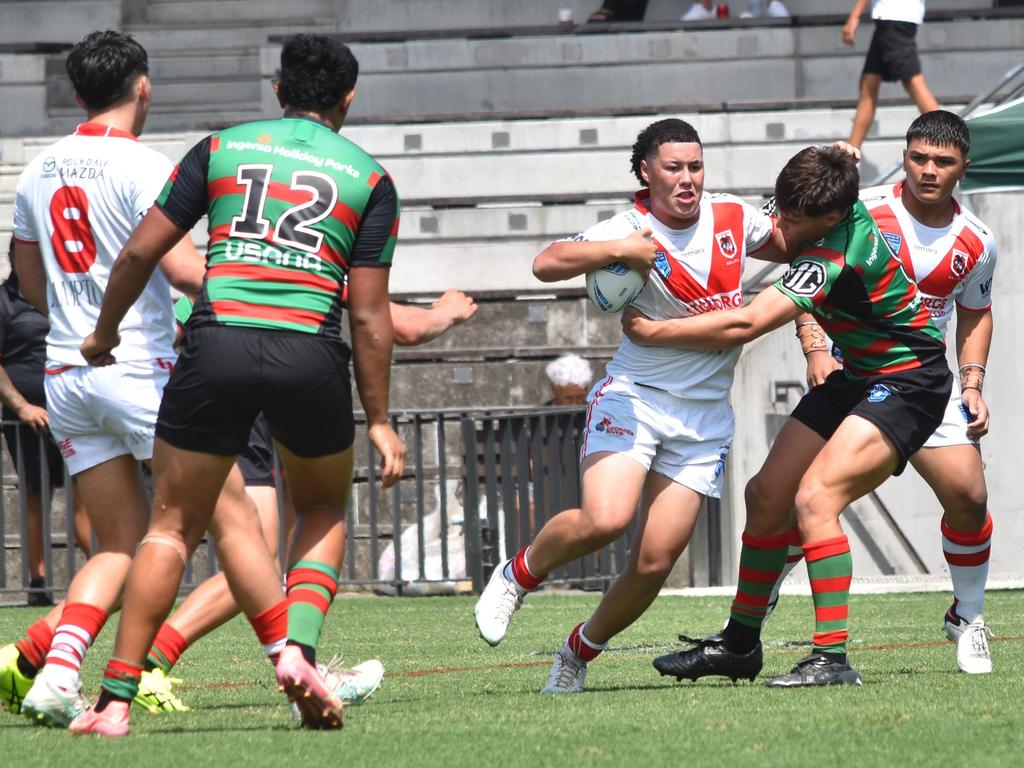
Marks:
<point>941,129</point>
<point>817,181</point>
<point>654,135</point>
<point>316,72</point>
<point>105,66</point>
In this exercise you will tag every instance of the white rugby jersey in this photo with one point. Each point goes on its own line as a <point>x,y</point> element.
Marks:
<point>898,10</point>
<point>80,200</point>
<point>699,269</point>
<point>951,265</point>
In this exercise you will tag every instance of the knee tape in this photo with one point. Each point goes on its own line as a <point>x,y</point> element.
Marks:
<point>168,541</point>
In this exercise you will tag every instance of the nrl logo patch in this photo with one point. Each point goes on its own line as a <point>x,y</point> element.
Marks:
<point>661,265</point>
<point>895,242</point>
<point>959,263</point>
<point>726,243</point>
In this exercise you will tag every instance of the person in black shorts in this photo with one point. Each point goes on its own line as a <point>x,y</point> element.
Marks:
<point>22,362</point>
<point>892,56</point>
<point>294,210</point>
<point>845,437</point>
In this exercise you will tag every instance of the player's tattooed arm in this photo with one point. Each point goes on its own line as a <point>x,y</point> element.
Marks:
<point>36,418</point>
<point>769,310</point>
<point>814,345</point>
<point>565,259</point>
<point>973,340</point>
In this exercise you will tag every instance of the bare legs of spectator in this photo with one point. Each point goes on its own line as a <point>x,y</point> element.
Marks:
<point>867,102</point>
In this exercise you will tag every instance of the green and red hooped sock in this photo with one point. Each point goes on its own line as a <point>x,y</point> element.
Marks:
<point>830,569</point>
<point>311,588</point>
<point>167,648</point>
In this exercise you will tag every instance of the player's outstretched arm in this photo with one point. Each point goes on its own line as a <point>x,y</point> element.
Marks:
<point>155,235</point>
<point>417,325</point>
<point>568,258</point>
<point>973,340</point>
<point>769,310</point>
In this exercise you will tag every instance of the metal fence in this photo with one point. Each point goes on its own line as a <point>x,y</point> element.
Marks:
<point>478,486</point>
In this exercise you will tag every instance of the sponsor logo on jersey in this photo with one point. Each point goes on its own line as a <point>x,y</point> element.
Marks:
<point>67,450</point>
<point>958,263</point>
<point>805,278</point>
<point>49,165</point>
<point>704,304</point>
<point>894,240</point>
<point>723,451</point>
<point>726,243</point>
<point>936,305</point>
<point>608,426</point>
<point>878,393</point>
<point>986,287</point>
<point>661,265</point>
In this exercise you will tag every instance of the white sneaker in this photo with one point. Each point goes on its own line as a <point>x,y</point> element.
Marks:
<point>353,685</point>
<point>499,600</point>
<point>52,703</point>
<point>972,653</point>
<point>698,12</point>
<point>567,673</point>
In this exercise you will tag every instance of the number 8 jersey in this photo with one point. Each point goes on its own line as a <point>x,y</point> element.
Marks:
<point>292,205</point>
<point>79,201</point>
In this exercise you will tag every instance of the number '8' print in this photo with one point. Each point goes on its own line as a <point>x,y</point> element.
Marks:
<point>72,240</point>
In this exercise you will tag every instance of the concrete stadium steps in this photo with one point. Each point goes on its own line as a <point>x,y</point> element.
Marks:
<point>237,35</point>
<point>640,69</point>
<point>197,64</point>
<point>198,12</point>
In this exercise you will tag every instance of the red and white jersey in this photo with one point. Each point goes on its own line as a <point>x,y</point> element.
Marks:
<point>699,269</point>
<point>79,200</point>
<point>952,265</point>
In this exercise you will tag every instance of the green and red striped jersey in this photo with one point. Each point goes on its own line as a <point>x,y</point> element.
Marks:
<point>858,292</point>
<point>292,206</point>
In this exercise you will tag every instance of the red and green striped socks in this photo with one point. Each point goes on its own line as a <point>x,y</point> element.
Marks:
<point>311,588</point>
<point>167,648</point>
<point>762,559</point>
<point>120,681</point>
<point>830,569</point>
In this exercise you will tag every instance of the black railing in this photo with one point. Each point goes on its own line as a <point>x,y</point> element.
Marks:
<point>478,485</point>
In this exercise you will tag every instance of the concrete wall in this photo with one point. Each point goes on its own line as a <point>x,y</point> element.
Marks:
<point>55,21</point>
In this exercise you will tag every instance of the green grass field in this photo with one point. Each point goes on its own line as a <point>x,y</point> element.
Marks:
<point>449,700</point>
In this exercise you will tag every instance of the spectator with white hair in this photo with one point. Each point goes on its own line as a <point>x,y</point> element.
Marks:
<point>570,377</point>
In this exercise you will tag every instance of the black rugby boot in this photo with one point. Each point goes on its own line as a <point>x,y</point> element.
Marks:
<point>817,669</point>
<point>710,657</point>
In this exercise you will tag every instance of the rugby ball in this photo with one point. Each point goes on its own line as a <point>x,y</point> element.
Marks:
<point>613,286</point>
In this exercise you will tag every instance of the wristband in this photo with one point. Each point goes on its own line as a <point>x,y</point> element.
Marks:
<point>972,376</point>
<point>812,337</point>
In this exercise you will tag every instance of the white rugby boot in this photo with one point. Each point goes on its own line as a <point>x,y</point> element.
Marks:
<point>499,600</point>
<point>972,653</point>
<point>567,673</point>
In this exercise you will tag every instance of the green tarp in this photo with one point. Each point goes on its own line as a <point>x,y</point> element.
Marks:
<point>997,150</point>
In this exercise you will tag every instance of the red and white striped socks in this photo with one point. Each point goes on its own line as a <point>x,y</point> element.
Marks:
<point>582,647</point>
<point>518,571</point>
<point>77,629</point>
<point>967,555</point>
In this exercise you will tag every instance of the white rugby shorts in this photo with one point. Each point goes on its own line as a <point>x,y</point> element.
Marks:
<point>97,414</point>
<point>953,429</point>
<point>685,440</point>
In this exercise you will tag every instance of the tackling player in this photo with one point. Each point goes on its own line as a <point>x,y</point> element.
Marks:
<point>951,255</point>
<point>845,437</point>
<point>293,209</point>
<point>659,426</point>
<point>75,206</point>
